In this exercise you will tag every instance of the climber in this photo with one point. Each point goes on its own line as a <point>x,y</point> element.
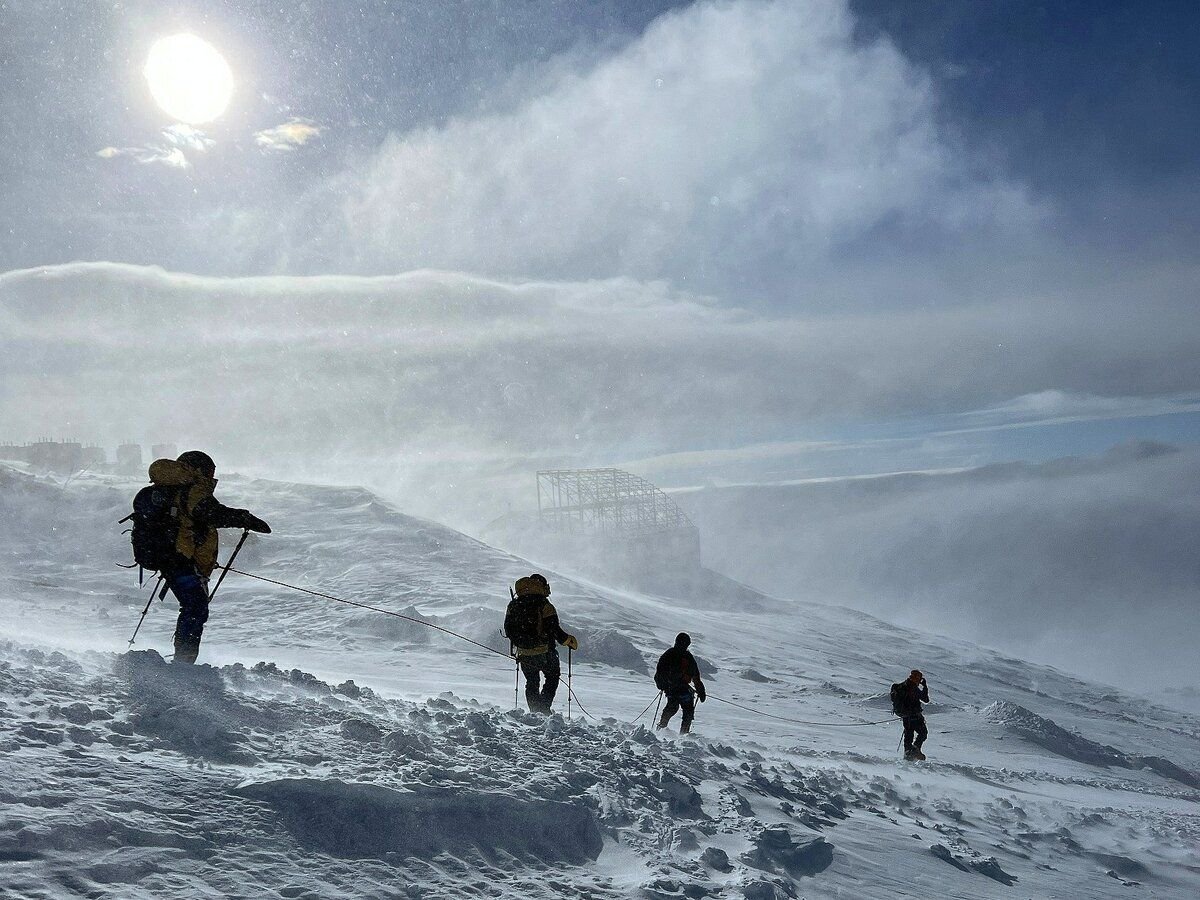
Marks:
<point>676,673</point>
<point>907,697</point>
<point>531,625</point>
<point>175,522</point>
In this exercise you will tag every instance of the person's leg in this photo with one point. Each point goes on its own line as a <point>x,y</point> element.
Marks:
<point>688,703</point>
<point>553,673</point>
<point>192,593</point>
<point>909,731</point>
<point>533,676</point>
<point>671,708</point>
<point>922,732</point>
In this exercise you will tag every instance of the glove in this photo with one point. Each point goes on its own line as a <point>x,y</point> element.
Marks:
<point>572,642</point>
<point>254,523</point>
<point>703,696</point>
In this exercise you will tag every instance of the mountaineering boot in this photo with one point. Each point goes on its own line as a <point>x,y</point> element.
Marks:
<point>186,652</point>
<point>662,722</point>
<point>685,727</point>
<point>918,755</point>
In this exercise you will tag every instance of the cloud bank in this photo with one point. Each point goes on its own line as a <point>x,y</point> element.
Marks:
<point>612,362</point>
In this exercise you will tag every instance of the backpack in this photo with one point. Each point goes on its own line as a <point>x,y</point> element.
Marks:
<point>523,622</point>
<point>897,700</point>
<point>155,530</point>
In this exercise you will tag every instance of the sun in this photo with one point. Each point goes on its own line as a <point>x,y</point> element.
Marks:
<point>189,78</point>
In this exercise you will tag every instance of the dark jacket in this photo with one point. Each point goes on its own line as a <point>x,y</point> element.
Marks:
<point>908,697</point>
<point>677,670</point>
<point>537,611</point>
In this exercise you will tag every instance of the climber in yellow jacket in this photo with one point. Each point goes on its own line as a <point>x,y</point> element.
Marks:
<point>175,522</point>
<point>531,623</point>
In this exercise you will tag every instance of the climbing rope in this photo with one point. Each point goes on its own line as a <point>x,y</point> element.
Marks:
<point>655,700</point>
<point>759,712</point>
<point>387,612</point>
<point>571,693</point>
<point>570,689</point>
<point>378,609</point>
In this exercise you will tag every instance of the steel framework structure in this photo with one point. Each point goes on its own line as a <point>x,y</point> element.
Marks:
<point>606,501</point>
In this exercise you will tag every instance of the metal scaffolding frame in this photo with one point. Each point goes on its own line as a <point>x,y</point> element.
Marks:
<point>606,501</point>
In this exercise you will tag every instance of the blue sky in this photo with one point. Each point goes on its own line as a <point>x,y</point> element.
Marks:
<point>791,238</point>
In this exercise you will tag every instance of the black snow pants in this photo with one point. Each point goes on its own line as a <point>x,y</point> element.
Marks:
<point>191,590</point>
<point>914,726</point>
<point>541,696</point>
<point>677,699</point>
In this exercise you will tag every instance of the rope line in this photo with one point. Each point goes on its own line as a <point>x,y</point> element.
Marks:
<point>378,609</point>
<point>657,697</point>
<point>759,712</point>
<point>388,612</point>
<point>570,690</point>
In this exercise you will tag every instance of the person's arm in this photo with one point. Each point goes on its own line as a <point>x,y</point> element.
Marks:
<point>551,624</point>
<point>215,514</point>
<point>923,692</point>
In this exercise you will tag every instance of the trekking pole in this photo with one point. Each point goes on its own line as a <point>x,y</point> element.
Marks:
<point>569,691</point>
<point>138,628</point>
<point>657,703</point>
<point>517,684</point>
<point>232,557</point>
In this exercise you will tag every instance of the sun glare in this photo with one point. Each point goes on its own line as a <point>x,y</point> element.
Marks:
<point>189,79</point>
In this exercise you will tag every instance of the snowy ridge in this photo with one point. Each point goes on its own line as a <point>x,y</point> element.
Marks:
<point>331,772</point>
<point>415,792</point>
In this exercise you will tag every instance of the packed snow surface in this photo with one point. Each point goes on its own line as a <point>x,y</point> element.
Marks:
<point>324,750</point>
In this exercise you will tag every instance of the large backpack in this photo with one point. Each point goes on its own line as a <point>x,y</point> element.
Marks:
<point>155,517</point>
<point>523,622</point>
<point>898,700</point>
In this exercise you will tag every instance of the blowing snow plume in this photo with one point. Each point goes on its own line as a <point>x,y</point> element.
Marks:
<point>1087,563</point>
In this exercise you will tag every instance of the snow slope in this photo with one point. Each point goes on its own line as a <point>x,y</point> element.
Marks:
<point>332,751</point>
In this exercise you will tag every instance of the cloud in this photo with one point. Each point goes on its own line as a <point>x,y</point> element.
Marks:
<point>288,136</point>
<point>186,137</point>
<point>175,139</point>
<point>171,157</point>
<point>741,145</point>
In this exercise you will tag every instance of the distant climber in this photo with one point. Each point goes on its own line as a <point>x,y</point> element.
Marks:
<point>175,522</point>
<point>676,673</point>
<point>907,697</point>
<point>531,624</point>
